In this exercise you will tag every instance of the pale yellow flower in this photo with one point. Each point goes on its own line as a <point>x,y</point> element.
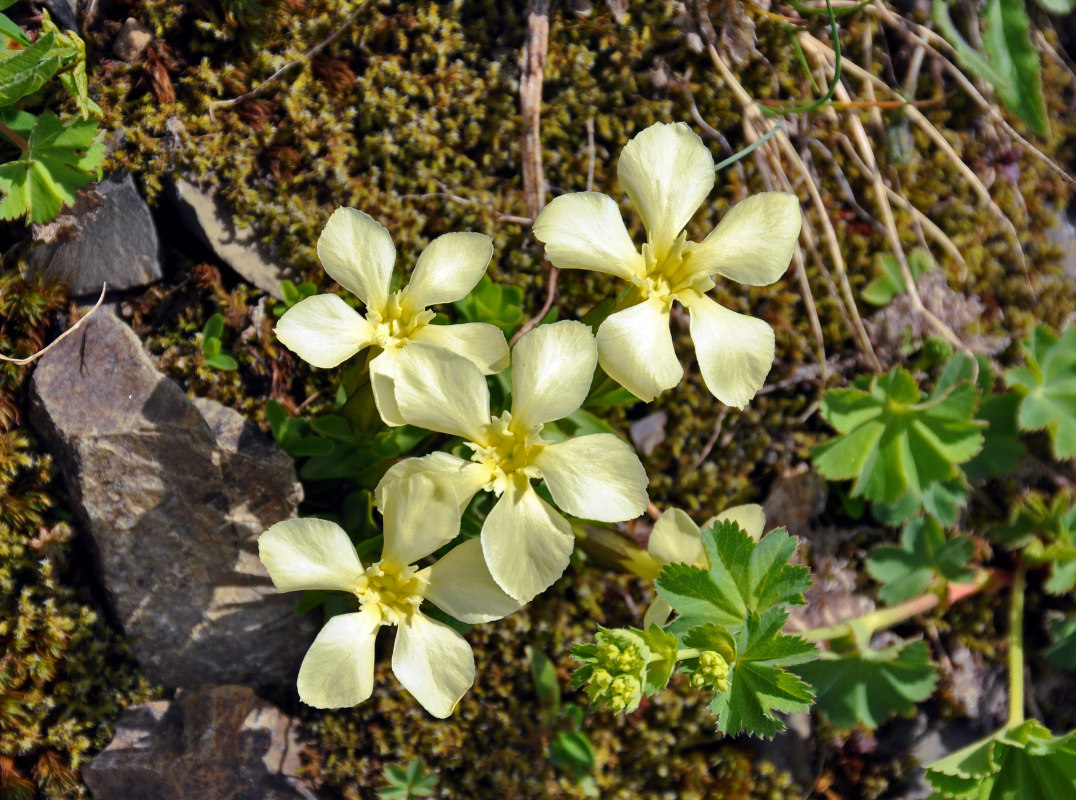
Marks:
<point>675,539</point>
<point>357,252</point>
<point>525,541</point>
<point>432,661</point>
<point>668,172</point>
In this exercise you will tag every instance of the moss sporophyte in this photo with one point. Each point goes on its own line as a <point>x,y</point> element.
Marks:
<point>667,172</point>
<point>432,661</point>
<point>357,252</point>
<point>598,476</point>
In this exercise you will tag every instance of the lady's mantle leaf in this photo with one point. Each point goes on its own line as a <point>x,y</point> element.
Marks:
<point>871,686</point>
<point>1024,761</point>
<point>923,554</point>
<point>1063,650</point>
<point>744,576</point>
<point>758,684</point>
<point>893,441</point>
<point>1048,382</point>
<point>1047,536</point>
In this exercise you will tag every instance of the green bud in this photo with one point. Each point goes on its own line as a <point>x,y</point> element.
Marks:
<point>712,671</point>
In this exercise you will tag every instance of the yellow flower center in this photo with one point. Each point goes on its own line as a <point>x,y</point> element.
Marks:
<point>669,273</point>
<point>395,323</point>
<point>508,452</point>
<point>395,592</point>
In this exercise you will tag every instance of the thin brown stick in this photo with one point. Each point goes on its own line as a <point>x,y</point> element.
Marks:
<point>22,362</point>
<point>530,103</point>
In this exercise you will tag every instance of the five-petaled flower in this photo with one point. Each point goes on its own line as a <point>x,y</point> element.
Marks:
<point>675,539</point>
<point>432,661</point>
<point>357,252</point>
<point>598,476</point>
<point>668,172</point>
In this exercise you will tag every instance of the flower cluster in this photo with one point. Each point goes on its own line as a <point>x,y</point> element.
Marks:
<point>433,376</point>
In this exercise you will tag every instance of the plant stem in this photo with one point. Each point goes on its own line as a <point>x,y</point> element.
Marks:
<point>883,618</point>
<point>1016,647</point>
<point>15,138</point>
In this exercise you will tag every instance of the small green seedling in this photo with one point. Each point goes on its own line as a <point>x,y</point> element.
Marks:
<point>215,356</point>
<point>405,783</point>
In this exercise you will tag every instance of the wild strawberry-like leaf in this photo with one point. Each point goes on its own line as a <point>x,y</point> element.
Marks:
<point>1048,385</point>
<point>892,440</point>
<point>1022,761</point>
<point>59,160</point>
<point>871,686</point>
<point>758,683</point>
<point>744,576</point>
<point>923,555</point>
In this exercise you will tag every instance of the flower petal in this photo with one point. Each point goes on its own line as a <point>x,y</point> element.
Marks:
<point>448,269</point>
<point>338,671</point>
<point>667,172</point>
<point>434,663</point>
<point>675,539</point>
<point>465,477</point>
<point>552,368</point>
<point>657,613</point>
<point>754,242</point>
<point>309,554</point>
<point>480,343</point>
<point>460,585</point>
<point>421,514</point>
<point>585,231</point>
<point>323,330</point>
<point>527,544</point>
<point>735,351</point>
<point>749,516</point>
<point>442,392</point>
<point>357,252</point>
<point>383,386</point>
<point>595,477</point>
<point>635,348</point>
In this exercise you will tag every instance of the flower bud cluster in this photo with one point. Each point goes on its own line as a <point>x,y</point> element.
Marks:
<point>614,675</point>
<point>711,672</point>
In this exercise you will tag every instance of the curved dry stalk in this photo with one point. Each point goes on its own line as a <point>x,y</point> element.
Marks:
<point>818,48</point>
<point>752,118</point>
<point>22,362</point>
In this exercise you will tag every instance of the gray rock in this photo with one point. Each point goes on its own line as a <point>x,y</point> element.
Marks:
<point>173,494</point>
<point>208,218</point>
<point>64,13</point>
<point>210,742</point>
<point>108,235</point>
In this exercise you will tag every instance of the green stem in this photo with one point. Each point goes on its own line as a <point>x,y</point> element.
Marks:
<point>690,652</point>
<point>15,138</point>
<point>1016,647</point>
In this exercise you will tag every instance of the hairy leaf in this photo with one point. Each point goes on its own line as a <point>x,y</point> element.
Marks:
<point>923,555</point>
<point>1048,384</point>
<point>23,72</point>
<point>871,686</point>
<point>759,685</point>
<point>58,161</point>
<point>893,441</point>
<point>1024,761</point>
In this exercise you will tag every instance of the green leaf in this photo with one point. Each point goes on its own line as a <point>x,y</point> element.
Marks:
<point>1010,64</point>
<point>1048,384</point>
<point>923,555</point>
<point>210,347</point>
<point>1058,6</point>
<point>743,576</point>
<point>60,159</point>
<point>572,750</point>
<point>214,327</point>
<point>1063,650</point>
<point>890,280</point>
<point>72,51</point>
<point>492,303</point>
<point>222,361</point>
<point>407,783</point>
<point>10,29</point>
<point>1024,761</point>
<point>893,441</point>
<point>870,687</point>
<point>544,678</point>
<point>1046,533</point>
<point>26,71</point>
<point>759,685</point>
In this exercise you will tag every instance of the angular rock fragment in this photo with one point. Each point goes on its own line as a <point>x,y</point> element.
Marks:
<point>108,235</point>
<point>173,495</point>
<point>210,742</point>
